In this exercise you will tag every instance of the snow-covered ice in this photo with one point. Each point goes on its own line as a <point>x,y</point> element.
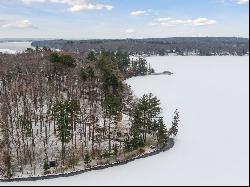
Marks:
<point>212,148</point>
<point>14,47</point>
<point>8,51</point>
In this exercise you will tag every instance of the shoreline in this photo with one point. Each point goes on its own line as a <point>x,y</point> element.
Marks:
<point>170,144</point>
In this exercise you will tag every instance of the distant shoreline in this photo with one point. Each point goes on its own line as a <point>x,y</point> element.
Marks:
<point>175,46</point>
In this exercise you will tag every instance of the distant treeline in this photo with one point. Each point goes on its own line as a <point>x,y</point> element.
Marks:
<point>203,46</point>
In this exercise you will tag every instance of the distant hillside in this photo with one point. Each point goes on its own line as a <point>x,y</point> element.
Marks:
<point>162,46</point>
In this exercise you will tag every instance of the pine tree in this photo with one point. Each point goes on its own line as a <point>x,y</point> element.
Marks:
<point>66,60</point>
<point>173,131</point>
<point>92,56</point>
<point>136,130</point>
<point>145,121</point>
<point>84,74</point>
<point>65,114</point>
<point>112,89</point>
<point>122,60</point>
<point>162,135</point>
<point>150,107</point>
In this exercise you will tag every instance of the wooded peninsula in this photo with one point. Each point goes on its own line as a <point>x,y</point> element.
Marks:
<point>62,111</point>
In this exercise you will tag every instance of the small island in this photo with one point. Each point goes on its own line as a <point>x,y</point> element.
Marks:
<point>62,112</point>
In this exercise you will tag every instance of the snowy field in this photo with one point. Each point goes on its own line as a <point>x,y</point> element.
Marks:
<point>212,148</point>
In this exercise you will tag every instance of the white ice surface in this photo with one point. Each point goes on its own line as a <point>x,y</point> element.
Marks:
<point>8,51</point>
<point>212,148</point>
<point>14,47</point>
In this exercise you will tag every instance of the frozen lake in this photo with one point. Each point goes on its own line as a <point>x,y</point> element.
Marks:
<point>212,148</point>
<point>14,47</point>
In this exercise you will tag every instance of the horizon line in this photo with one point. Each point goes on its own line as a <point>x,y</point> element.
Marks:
<point>37,38</point>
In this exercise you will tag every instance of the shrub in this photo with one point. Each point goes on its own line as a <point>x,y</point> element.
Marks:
<point>72,160</point>
<point>87,158</point>
<point>141,151</point>
<point>47,172</point>
<point>101,162</point>
<point>46,166</point>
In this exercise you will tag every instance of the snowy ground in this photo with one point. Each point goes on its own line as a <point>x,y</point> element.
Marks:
<point>212,94</point>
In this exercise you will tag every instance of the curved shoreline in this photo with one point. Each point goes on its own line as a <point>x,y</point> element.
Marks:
<point>169,145</point>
